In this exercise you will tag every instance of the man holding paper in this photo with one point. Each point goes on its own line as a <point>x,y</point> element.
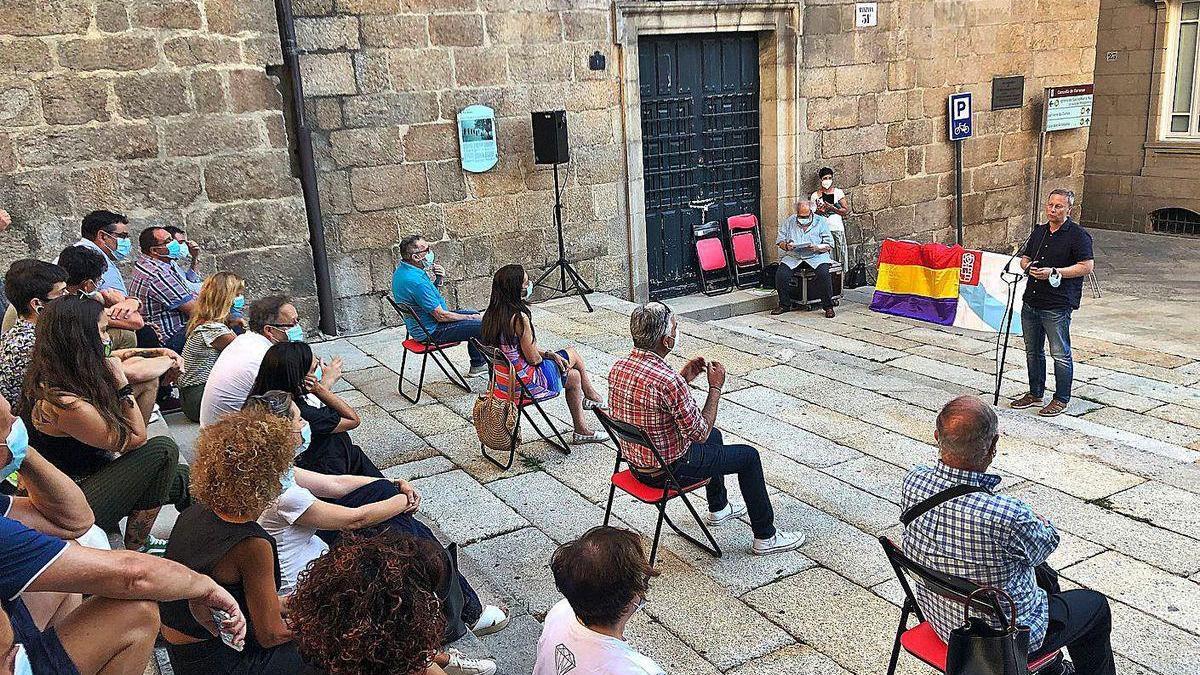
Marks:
<point>805,239</point>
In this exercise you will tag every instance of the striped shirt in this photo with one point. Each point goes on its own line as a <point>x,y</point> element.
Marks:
<point>992,540</point>
<point>162,292</point>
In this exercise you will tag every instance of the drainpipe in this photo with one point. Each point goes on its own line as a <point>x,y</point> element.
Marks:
<point>308,169</point>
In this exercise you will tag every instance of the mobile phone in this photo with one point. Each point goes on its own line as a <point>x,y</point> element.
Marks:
<point>219,617</point>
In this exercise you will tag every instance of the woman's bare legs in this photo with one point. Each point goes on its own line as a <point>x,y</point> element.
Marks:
<point>574,389</point>
<point>585,382</point>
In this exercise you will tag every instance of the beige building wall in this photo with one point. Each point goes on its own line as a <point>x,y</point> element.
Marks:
<point>1131,169</point>
<point>160,110</point>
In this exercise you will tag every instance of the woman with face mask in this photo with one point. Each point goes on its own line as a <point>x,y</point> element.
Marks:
<point>86,418</point>
<point>832,203</point>
<point>508,324</point>
<point>209,331</point>
<point>313,510</point>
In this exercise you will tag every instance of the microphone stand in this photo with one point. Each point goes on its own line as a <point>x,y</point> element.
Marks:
<point>1012,279</point>
<point>569,281</point>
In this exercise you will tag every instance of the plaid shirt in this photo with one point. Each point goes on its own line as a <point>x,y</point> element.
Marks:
<point>992,540</point>
<point>161,291</point>
<point>646,392</point>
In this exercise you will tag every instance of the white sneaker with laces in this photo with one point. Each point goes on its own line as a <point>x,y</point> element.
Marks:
<point>580,439</point>
<point>726,514</point>
<point>461,664</point>
<point>491,620</point>
<point>782,541</point>
<point>155,415</point>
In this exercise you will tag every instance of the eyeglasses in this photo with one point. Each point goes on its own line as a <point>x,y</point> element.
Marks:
<point>285,325</point>
<point>116,235</point>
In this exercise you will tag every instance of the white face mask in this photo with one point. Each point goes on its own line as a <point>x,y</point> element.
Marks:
<point>826,183</point>
<point>675,341</point>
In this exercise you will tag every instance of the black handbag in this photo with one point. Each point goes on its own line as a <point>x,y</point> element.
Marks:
<point>978,648</point>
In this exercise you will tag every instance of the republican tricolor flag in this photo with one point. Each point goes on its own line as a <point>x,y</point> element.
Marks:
<point>918,281</point>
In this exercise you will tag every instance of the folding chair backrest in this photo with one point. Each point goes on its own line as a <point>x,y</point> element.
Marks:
<point>624,431</point>
<point>946,585</point>
<point>745,221</point>
<point>410,318</point>
<point>502,368</point>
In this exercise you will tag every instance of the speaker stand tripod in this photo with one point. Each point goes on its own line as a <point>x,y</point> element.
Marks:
<point>569,281</point>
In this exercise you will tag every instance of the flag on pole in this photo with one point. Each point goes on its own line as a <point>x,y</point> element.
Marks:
<point>983,293</point>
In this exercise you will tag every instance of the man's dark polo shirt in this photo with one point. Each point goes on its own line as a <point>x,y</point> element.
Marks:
<point>1071,244</point>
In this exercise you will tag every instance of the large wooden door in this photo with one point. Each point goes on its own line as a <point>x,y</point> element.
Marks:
<point>700,141</point>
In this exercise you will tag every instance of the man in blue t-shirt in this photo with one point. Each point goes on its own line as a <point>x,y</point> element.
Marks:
<point>1057,257</point>
<point>412,286</point>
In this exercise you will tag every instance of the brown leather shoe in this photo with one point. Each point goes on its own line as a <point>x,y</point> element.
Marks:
<point>1026,401</point>
<point>1053,409</point>
<point>780,310</point>
<point>829,313</point>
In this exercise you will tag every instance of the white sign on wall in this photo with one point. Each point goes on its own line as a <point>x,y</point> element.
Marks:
<point>866,14</point>
<point>1068,107</point>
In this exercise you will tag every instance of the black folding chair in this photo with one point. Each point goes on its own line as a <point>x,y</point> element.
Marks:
<point>503,374</point>
<point>921,640</point>
<point>427,348</point>
<point>658,496</point>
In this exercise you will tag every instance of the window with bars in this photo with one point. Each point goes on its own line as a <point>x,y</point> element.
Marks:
<point>1185,109</point>
<point>1175,221</point>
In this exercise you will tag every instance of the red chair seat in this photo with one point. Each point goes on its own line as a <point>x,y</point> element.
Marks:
<point>744,251</point>
<point>923,642</point>
<point>647,493</point>
<point>711,254</point>
<point>415,346</point>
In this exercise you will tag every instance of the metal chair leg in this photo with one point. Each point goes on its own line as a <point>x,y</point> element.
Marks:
<point>561,445</point>
<point>420,382</point>
<point>662,515</point>
<point>612,493</point>
<point>450,371</point>
<point>712,548</point>
<point>896,645</point>
<point>512,448</point>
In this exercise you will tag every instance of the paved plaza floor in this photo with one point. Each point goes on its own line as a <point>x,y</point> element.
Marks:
<point>839,409</point>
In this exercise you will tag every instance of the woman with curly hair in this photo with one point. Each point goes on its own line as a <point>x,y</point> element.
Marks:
<point>209,331</point>
<point>369,607</point>
<point>83,415</point>
<point>234,477</point>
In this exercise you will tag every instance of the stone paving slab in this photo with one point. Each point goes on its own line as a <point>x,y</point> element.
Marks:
<point>671,654</point>
<point>465,509</point>
<point>518,564</point>
<point>794,660</point>
<point>386,441</point>
<point>558,511</point>
<point>1168,432</point>
<point>421,468</point>
<point>1163,505</point>
<point>1178,414</point>
<point>842,500</point>
<point>352,357</point>
<point>1163,595</point>
<point>1113,397</point>
<point>1067,472</point>
<point>1159,646</point>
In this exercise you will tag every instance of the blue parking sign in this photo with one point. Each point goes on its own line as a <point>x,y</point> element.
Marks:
<point>959,116</point>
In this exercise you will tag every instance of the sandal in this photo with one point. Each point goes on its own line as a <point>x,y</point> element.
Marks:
<point>589,404</point>
<point>1053,409</point>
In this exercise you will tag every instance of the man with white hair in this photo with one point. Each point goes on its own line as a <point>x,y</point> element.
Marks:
<point>956,525</point>
<point>805,239</point>
<point>643,390</point>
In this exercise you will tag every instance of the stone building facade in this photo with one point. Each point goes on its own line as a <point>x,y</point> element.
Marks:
<point>1141,171</point>
<point>167,110</point>
<point>163,111</point>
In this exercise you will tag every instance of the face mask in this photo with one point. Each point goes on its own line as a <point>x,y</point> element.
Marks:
<point>1055,279</point>
<point>95,295</point>
<point>427,263</point>
<point>305,439</point>
<point>295,334</point>
<point>826,183</point>
<point>124,246</point>
<point>804,221</point>
<point>317,373</point>
<point>288,479</point>
<point>174,250</point>
<point>528,291</point>
<point>239,303</point>
<point>18,445</point>
<point>107,348</point>
<point>674,342</point>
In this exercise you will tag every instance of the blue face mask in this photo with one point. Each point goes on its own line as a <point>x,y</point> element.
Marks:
<point>804,221</point>
<point>317,373</point>
<point>295,334</point>
<point>21,666</point>
<point>239,303</point>
<point>528,290</point>
<point>18,445</point>
<point>174,250</point>
<point>427,263</point>
<point>123,249</point>
<point>288,479</point>
<point>305,439</point>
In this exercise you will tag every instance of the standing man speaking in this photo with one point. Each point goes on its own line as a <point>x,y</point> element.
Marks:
<point>1057,257</point>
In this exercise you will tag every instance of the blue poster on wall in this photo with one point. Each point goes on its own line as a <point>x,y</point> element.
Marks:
<point>477,138</point>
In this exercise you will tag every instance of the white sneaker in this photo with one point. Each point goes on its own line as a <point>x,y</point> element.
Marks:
<point>726,514</point>
<point>580,439</point>
<point>155,415</point>
<point>491,620</point>
<point>461,664</point>
<point>589,404</point>
<point>782,541</point>
<point>477,371</point>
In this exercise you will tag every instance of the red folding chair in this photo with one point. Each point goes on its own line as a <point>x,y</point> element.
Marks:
<point>921,640</point>
<point>427,348</point>
<point>713,261</point>
<point>647,494</point>
<point>746,242</point>
<point>504,389</point>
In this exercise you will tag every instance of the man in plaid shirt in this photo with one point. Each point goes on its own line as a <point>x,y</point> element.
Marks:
<point>996,540</point>
<point>167,301</point>
<point>643,390</point>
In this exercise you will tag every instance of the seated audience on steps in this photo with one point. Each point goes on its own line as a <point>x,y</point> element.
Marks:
<point>997,540</point>
<point>85,416</point>
<point>167,299</point>
<point>209,331</point>
<point>122,587</point>
<point>604,577</point>
<point>30,285</point>
<point>85,269</point>
<point>235,475</point>
<point>189,258</point>
<point>508,324</point>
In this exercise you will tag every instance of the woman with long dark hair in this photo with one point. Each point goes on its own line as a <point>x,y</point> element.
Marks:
<point>508,324</point>
<point>291,367</point>
<point>83,415</point>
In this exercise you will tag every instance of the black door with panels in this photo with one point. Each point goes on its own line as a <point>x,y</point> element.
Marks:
<point>700,142</point>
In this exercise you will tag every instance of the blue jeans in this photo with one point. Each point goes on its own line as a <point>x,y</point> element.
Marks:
<point>714,460</point>
<point>1036,326</point>
<point>462,331</point>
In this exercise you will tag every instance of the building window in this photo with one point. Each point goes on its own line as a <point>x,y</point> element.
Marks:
<point>1185,110</point>
<point>1175,221</point>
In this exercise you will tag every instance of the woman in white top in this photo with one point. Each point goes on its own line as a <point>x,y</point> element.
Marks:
<point>832,203</point>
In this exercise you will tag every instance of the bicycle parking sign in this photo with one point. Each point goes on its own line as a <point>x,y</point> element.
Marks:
<point>959,109</point>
